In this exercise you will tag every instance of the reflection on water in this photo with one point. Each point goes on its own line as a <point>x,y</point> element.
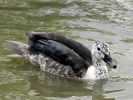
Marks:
<point>85,21</point>
<point>44,83</point>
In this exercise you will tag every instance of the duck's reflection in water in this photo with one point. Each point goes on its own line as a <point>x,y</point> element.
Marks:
<point>50,85</point>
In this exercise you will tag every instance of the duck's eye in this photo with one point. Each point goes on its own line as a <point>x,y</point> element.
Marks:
<point>98,49</point>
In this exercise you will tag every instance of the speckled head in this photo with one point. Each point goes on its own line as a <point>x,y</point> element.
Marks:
<point>100,51</point>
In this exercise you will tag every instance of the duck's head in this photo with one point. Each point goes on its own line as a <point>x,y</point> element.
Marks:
<point>100,51</point>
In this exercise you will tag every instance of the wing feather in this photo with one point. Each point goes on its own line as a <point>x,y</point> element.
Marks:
<point>80,49</point>
<point>60,53</point>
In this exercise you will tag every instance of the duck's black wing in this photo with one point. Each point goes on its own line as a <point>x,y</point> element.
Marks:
<point>59,53</point>
<point>80,49</point>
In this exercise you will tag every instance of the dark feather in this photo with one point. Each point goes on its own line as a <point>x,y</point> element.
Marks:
<point>60,53</point>
<point>80,49</point>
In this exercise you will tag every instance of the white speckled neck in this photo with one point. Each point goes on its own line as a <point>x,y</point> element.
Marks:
<point>97,71</point>
<point>101,71</point>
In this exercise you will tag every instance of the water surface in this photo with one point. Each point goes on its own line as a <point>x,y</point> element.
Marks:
<point>85,21</point>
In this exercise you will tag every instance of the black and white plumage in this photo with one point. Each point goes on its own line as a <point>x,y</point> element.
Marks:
<point>60,55</point>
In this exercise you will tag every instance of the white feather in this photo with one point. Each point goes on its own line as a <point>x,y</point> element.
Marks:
<point>90,73</point>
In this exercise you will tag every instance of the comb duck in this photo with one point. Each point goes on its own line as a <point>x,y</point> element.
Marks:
<point>60,55</point>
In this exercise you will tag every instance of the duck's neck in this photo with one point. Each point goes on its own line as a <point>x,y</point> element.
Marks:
<point>97,62</point>
<point>100,68</point>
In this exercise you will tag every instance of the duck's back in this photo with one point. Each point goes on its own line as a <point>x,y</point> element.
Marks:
<point>80,49</point>
<point>59,53</point>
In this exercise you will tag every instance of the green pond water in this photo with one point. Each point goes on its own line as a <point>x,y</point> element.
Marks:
<point>85,21</point>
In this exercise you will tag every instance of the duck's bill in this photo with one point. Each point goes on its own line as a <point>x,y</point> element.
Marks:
<point>108,60</point>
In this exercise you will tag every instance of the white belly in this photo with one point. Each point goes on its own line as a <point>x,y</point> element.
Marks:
<point>90,73</point>
<point>96,73</point>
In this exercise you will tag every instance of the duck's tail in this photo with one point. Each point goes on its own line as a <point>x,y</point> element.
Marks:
<point>17,47</point>
<point>22,50</point>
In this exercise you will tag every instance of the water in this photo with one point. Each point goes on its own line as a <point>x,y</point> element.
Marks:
<point>86,21</point>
